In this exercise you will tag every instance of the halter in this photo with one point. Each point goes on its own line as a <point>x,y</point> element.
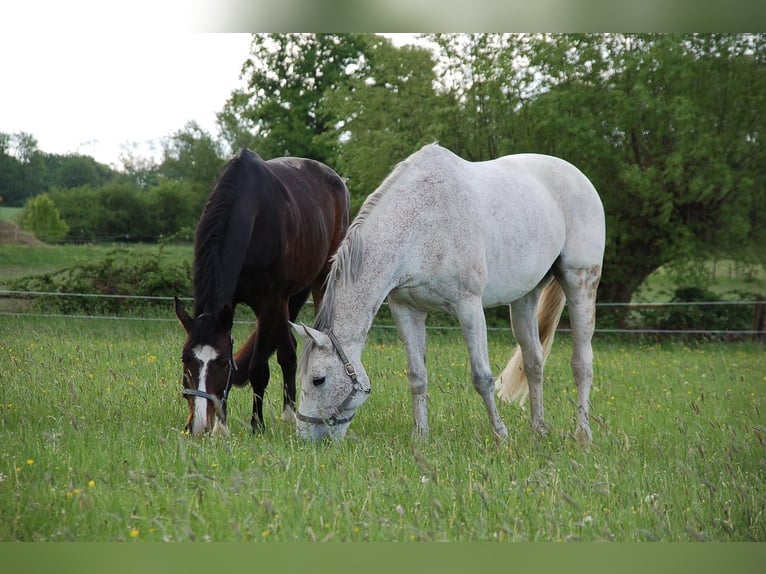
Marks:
<point>218,404</point>
<point>356,387</point>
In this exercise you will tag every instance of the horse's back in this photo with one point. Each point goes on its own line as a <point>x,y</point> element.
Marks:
<point>291,213</point>
<point>315,203</point>
<point>502,223</point>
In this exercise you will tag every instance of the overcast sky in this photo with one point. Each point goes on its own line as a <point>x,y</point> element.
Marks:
<point>96,93</point>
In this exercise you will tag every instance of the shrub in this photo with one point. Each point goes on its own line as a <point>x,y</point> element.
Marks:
<point>709,315</point>
<point>119,272</point>
<point>41,217</point>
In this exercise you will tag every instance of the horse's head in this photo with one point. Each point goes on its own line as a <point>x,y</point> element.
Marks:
<point>332,387</point>
<point>208,365</point>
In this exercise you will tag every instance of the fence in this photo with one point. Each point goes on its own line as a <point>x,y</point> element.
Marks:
<point>19,303</point>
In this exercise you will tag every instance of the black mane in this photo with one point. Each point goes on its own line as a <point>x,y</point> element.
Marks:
<point>209,280</point>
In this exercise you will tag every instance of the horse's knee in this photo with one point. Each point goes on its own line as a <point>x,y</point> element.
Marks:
<point>484,383</point>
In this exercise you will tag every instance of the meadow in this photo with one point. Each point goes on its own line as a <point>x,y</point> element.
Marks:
<point>91,447</point>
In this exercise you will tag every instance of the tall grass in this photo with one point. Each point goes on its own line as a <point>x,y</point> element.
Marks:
<point>91,448</point>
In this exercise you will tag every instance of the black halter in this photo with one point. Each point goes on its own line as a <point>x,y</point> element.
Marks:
<point>356,387</point>
<point>218,404</point>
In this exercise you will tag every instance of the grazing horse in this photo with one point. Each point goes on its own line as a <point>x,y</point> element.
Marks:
<point>265,238</point>
<point>442,233</point>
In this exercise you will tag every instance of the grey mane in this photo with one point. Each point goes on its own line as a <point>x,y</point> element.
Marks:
<point>347,261</point>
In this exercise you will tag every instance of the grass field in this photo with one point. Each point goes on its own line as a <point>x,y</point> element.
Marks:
<point>10,213</point>
<point>91,448</point>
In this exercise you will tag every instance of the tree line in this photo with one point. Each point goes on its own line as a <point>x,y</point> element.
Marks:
<point>74,198</point>
<point>669,127</point>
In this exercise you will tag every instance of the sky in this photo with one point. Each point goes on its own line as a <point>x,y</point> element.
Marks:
<point>102,94</point>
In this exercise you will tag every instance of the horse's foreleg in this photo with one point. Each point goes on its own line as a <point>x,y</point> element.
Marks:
<point>287,359</point>
<point>259,370</point>
<point>470,313</point>
<point>411,324</point>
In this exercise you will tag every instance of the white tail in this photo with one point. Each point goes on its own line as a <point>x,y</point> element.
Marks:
<point>511,385</point>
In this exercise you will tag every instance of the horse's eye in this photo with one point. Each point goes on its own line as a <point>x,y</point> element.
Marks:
<point>318,381</point>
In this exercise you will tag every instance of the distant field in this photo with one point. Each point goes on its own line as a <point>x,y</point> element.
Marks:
<point>91,448</point>
<point>10,213</point>
<point>727,278</point>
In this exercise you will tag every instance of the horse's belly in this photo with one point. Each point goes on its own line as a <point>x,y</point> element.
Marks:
<point>516,266</point>
<point>425,297</point>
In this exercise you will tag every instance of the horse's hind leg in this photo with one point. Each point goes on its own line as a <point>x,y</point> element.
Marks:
<point>470,313</point>
<point>411,324</point>
<point>580,286</point>
<point>527,333</point>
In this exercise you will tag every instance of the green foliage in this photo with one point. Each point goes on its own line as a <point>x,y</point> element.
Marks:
<point>41,217</point>
<point>95,413</point>
<point>696,309</point>
<point>26,171</point>
<point>665,126</point>
<point>124,212</point>
<point>192,158</point>
<point>386,109</point>
<point>279,112</point>
<point>120,272</point>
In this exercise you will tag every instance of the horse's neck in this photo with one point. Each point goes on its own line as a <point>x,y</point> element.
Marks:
<point>358,300</point>
<point>356,307</point>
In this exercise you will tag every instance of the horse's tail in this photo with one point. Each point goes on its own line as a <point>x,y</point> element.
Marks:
<point>512,385</point>
<point>242,358</point>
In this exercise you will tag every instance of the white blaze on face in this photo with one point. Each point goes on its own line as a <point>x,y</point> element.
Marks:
<point>204,354</point>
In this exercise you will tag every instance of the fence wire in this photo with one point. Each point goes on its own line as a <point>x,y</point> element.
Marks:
<point>16,294</point>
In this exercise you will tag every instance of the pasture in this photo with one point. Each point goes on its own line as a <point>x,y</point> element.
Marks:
<point>91,447</point>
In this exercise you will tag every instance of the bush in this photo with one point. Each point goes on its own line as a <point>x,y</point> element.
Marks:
<point>702,317</point>
<point>41,217</point>
<point>119,272</point>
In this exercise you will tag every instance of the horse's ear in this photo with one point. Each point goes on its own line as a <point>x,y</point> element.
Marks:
<point>319,338</point>
<point>182,315</point>
<point>225,318</point>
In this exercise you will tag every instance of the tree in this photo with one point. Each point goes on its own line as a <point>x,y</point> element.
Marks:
<point>668,127</point>
<point>41,217</point>
<point>22,168</point>
<point>171,206</point>
<point>481,74</point>
<point>10,173</point>
<point>279,112</point>
<point>193,157</point>
<point>75,170</point>
<point>386,110</point>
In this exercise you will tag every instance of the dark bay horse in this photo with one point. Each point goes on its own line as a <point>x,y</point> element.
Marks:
<point>265,238</point>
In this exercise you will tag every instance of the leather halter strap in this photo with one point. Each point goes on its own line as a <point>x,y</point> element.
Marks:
<point>356,387</point>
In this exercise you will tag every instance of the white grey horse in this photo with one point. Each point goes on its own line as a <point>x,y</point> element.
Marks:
<point>445,233</point>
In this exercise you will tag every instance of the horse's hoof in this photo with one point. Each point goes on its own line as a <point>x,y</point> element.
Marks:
<point>257,427</point>
<point>288,416</point>
<point>540,429</point>
<point>584,435</point>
